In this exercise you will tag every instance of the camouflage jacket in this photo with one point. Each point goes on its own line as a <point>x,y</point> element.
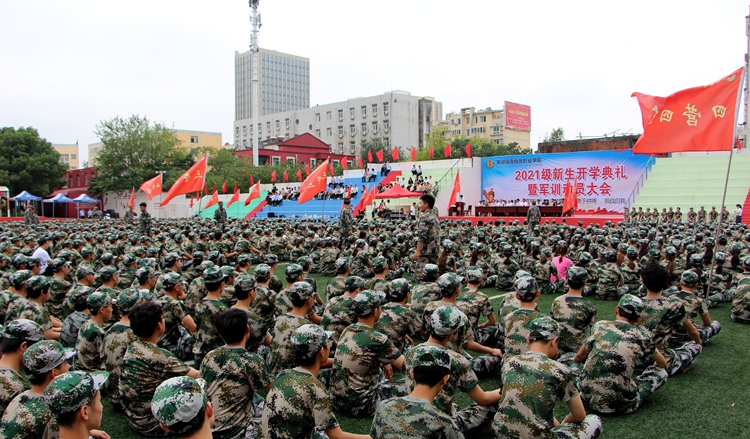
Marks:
<point>475,304</point>
<point>58,288</point>
<point>282,356</point>
<point>116,342</point>
<point>71,326</point>
<point>338,314</point>
<point>34,311</point>
<point>463,335</point>
<point>397,321</point>
<point>515,329</point>
<point>11,384</point>
<point>428,233</point>
<point>89,346</point>
<point>335,287</point>
<point>422,294</point>
<point>28,417</point>
<point>207,336</point>
<point>264,306</point>
<point>173,312</point>
<point>575,316</point>
<point>407,417</point>
<point>662,317</point>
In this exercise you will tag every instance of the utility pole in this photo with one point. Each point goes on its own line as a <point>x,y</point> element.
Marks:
<point>255,82</point>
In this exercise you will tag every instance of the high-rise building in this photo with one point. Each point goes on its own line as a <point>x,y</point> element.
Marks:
<point>284,83</point>
<point>68,154</point>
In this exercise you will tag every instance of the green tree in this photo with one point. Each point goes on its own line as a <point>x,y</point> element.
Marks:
<point>479,147</point>
<point>373,146</point>
<point>29,163</point>
<point>557,135</point>
<point>135,150</point>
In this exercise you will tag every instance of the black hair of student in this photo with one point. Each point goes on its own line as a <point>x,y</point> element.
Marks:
<point>213,286</point>
<point>231,325</point>
<point>576,285</point>
<point>430,375</point>
<point>144,317</point>
<point>297,301</point>
<point>631,316</point>
<point>654,276</point>
<point>241,294</point>
<point>438,337</point>
<point>11,345</point>
<point>611,257</point>
<point>429,199</point>
<point>66,419</point>
<point>94,312</point>
<point>32,293</point>
<point>80,304</point>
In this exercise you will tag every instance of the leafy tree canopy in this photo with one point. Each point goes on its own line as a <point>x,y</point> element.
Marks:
<point>557,135</point>
<point>479,147</point>
<point>29,163</point>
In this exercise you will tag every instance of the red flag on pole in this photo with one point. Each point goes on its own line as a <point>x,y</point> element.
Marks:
<point>379,155</point>
<point>344,165</point>
<point>361,165</point>
<point>348,192</point>
<point>251,180</point>
<point>224,188</point>
<point>330,168</point>
<point>468,150</point>
<point>273,177</point>
<point>307,169</point>
<point>394,154</point>
<point>299,174</point>
<point>213,200</point>
<point>192,180</point>
<point>131,203</point>
<point>152,187</point>
<point>447,150</point>
<point>254,193</point>
<point>432,151</point>
<point>236,197</point>
<point>214,188</point>
<point>568,200</point>
<point>739,144</point>
<point>314,184</point>
<point>285,177</point>
<point>456,190</point>
<point>694,119</point>
<point>413,153</point>
<point>369,156</point>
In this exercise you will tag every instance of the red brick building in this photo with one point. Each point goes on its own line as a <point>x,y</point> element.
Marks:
<point>78,183</point>
<point>304,148</point>
<point>598,144</point>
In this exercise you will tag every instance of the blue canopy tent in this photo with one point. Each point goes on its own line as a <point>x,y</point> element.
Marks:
<point>83,198</point>
<point>59,198</point>
<point>24,196</point>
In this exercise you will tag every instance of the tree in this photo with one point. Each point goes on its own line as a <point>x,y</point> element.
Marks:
<point>374,146</point>
<point>135,150</point>
<point>29,162</point>
<point>557,135</point>
<point>480,147</point>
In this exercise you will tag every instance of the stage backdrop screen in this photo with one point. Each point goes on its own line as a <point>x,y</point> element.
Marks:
<point>603,179</point>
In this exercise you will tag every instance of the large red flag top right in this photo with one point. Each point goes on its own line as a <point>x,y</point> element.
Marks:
<point>694,119</point>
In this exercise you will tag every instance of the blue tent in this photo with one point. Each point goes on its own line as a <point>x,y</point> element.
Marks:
<point>59,198</point>
<point>83,198</point>
<point>25,196</point>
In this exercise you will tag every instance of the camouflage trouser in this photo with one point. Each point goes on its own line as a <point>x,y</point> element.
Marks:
<point>548,288</point>
<point>184,347</point>
<point>485,366</point>
<point>589,289</point>
<point>253,430</point>
<point>647,382</point>
<point>475,419</point>
<point>486,336</point>
<point>417,267</point>
<point>489,282</point>
<point>610,293</point>
<point>706,332</point>
<point>682,357</point>
<point>726,296</point>
<point>386,390</point>
<point>591,427</point>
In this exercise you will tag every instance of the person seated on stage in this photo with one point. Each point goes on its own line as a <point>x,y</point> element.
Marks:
<point>354,191</point>
<point>413,170</point>
<point>419,171</point>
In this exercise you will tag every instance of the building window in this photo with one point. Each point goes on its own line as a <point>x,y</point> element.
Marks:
<point>260,127</point>
<point>237,131</point>
<point>286,123</point>
<point>244,144</point>
<point>364,127</point>
<point>374,109</point>
<point>386,126</point>
<point>336,162</point>
<point>78,180</point>
<point>386,142</point>
<point>483,118</point>
<point>385,107</point>
<point>341,130</point>
<point>352,129</point>
<point>375,127</point>
<point>290,161</point>
<point>268,126</point>
<point>341,148</point>
<point>496,129</point>
<point>63,158</point>
<point>85,179</point>
<point>317,117</point>
<point>364,111</point>
<point>313,162</point>
<point>468,119</point>
<point>352,147</point>
<point>72,156</point>
<point>276,160</point>
<point>329,131</point>
<point>352,113</point>
<point>193,139</point>
<point>278,125</point>
<point>317,133</point>
<point>328,115</point>
<point>341,114</point>
<point>70,181</point>
<point>349,163</point>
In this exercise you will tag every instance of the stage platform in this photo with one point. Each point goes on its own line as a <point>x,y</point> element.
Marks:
<point>586,218</point>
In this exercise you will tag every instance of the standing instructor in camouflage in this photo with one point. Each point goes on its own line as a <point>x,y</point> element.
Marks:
<point>144,221</point>
<point>428,234</point>
<point>533,216</point>
<point>346,221</point>
<point>220,216</point>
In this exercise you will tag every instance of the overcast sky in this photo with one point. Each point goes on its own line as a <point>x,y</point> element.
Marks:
<point>66,65</point>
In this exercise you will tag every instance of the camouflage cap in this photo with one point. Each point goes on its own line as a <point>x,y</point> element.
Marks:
<point>143,274</point>
<point>262,272</point>
<point>213,274</point>
<point>721,256</point>
<point>354,282</point>
<point>308,340</point>
<point>379,263</point>
<point>368,301</point>
<point>543,328</point>
<point>171,280</point>
<point>576,273</point>
<point>179,403</point>
<point>746,263</point>
<point>449,282</point>
<point>23,329</point>
<point>342,264</point>
<point>170,259</point>
<point>20,277</point>
<point>127,299</point>
<point>585,257</point>
<point>400,288</point>
<point>293,271</point>
<point>206,265</point>
<point>689,278</point>
<point>245,282</point>
<point>301,291</point>
<point>630,306</point>
<point>433,356</point>
<point>98,299</point>
<point>526,287</point>
<point>521,273</point>
<point>58,264</point>
<point>32,262</point>
<point>70,391</point>
<point>37,283</point>
<point>79,295</point>
<point>449,245</point>
<point>244,259</point>
<point>228,271</point>
<point>272,259</point>
<point>107,272</point>
<point>431,271</point>
<point>474,275</point>
<point>86,251</point>
<point>447,319</point>
<point>45,355</point>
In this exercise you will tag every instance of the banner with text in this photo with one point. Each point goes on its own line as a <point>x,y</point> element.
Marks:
<point>517,116</point>
<point>603,179</point>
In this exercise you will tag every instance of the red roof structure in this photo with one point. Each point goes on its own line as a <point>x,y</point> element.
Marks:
<point>304,148</point>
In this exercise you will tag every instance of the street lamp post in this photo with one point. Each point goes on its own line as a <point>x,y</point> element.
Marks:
<point>255,83</point>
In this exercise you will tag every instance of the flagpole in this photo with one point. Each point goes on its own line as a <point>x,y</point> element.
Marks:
<point>726,184</point>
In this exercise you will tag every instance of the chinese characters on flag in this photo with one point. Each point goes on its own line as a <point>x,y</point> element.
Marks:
<point>152,187</point>
<point>314,184</point>
<point>695,119</point>
<point>254,193</point>
<point>191,181</point>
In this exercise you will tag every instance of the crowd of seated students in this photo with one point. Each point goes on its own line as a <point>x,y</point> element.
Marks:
<point>521,202</point>
<point>276,196</point>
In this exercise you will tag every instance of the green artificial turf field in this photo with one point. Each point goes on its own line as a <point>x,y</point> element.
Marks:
<point>710,401</point>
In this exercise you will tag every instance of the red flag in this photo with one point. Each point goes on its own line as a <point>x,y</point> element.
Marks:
<point>236,197</point>
<point>251,180</point>
<point>361,165</point>
<point>447,150</point>
<point>330,168</point>
<point>468,150</point>
<point>192,180</point>
<point>362,200</point>
<point>192,201</point>
<point>152,187</point>
<point>379,155</point>
<point>224,188</point>
<point>394,154</point>
<point>568,200</point>
<point>694,119</point>
<point>213,200</point>
<point>254,193</point>
<point>344,165</point>
<point>456,190</point>
<point>131,203</point>
<point>214,188</point>
<point>299,174</point>
<point>739,144</point>
<point>307,169</point>
<point>314,184</point>
<point>414,154</point>
<point>432,151</point>
<point>348,192</point>
<point>273,177</point>
<point>369,156</point>
<point>285,177</point>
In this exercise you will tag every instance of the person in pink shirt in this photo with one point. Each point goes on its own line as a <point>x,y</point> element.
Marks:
<point>562,262</point>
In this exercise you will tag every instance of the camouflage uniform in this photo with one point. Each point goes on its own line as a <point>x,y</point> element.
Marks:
<point>233,378</point>
<point>89,347</point>
<point>475,304</point>
<point>532,216</point>
<point>11,383</point>
<point>179,404</point>
<point>396,322</point>
<point>575,315</point>
<point>281,348</point>
<point>428,233</point>
<point>328,258</point>
<point>694,307</point>
<point>144,224</point>
<point>609,279</point>
<point>338,315</point>
<point>71,325</point>
<point>264,306</point>
<point>206,336</point>
<point>33,311</point>
<point>220,217</point>
<point>527,408</point>
<point>424,293</point>
<point>175,338</point>
<point>506,272</point>
<point>662,317</point>
<point>144,367</point>
<point>741,304</point>
<point>116,342</point>
<point>406,417</point>
<point>515,329</point>
<point>58,288</point>
<point>335,287</point>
